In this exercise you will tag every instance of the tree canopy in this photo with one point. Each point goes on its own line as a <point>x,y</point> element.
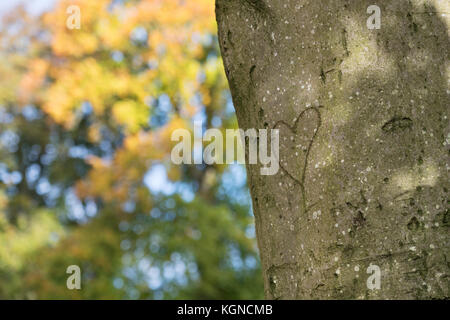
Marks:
<point>86,179</point>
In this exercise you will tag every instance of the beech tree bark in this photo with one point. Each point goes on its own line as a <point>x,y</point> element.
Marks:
<point>364,142</point>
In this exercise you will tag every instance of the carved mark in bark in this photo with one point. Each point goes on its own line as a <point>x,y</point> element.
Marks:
<point>251,73</point>
<point>280,280</point>
<point>344,42</point>
<point>396,124</point>
<point>323,74</point>
<point>300,137</point>
<point>335,67</point>
<point>353,211</point>
<point>260,6</point>
<point>226,42</point>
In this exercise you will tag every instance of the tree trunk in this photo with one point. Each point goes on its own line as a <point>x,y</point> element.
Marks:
<point>364,143</point>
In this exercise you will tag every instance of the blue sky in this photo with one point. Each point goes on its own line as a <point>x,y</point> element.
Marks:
<point>34,6</point>
<point>156,178</point>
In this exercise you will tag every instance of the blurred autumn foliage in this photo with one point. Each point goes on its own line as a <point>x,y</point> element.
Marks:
<point>85,173</point>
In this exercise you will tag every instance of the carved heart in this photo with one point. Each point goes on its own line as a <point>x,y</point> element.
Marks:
<point>296,142</point>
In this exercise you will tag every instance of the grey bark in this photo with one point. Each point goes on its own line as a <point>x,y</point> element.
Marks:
<point>364,142</point>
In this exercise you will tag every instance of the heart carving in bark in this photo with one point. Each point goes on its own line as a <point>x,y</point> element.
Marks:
<point>296,142</point>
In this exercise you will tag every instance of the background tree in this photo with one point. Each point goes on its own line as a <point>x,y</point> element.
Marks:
<point>85,173</point>
<point>364,142</point>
